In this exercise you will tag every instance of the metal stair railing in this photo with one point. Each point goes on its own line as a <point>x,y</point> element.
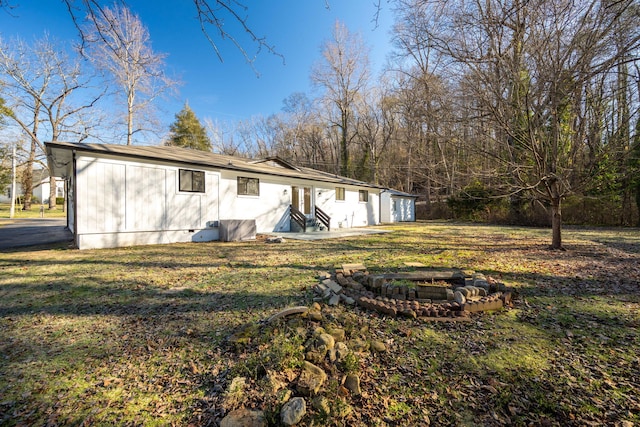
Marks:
<point>298,217</point>
<point>322,217</point>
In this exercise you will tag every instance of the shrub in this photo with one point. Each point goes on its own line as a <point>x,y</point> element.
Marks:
<point>473,198</point>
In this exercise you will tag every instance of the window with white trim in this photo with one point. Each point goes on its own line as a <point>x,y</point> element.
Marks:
<point>248,186</point>
<point>191,181</point>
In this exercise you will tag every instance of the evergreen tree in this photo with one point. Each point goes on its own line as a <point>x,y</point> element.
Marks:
<point>188,132</point>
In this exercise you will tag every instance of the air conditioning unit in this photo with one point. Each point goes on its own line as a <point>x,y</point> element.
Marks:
<point>232,230</point>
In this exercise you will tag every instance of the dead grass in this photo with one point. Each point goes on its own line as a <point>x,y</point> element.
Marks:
<point>137,336</point>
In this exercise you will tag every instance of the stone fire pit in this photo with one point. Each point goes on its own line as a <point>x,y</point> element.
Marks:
<point>429,294</point>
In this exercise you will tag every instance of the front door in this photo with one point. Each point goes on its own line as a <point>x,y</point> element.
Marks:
<point>307,201</point>
<point>302,204</point>
<point>295,197</point>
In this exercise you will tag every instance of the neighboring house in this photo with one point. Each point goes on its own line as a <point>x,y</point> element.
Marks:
<point>130,195</point>
<point>396,206</point>
<point>5,195</point>
<point>42,185</point>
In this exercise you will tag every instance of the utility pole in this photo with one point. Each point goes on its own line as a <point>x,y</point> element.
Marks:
<point>12,211</point>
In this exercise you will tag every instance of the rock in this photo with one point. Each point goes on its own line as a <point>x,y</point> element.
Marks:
<point>317,331</point>
<point>409,313</point>
<point>459,297</point>
<point>325,340</point>
<point>324,275</point>
<point>314,315</point>
<point>359,345</point>
<point>464,291</point>
<point>335,287</point>
<point>506,297</point>
<point>337,334</point>
<point>347,299</point>
<point>334,300</point>
<point>352,383</point>
<point>378,346</point>
<point>243,418</point>
<point>341,350</point>
<point>276,239</point>
<point>321,404</point>
<point>311,379</point>
<point>293,411</point>
<point>273,382</point>
<point>450,294</point>
<point>316,355</point>
<point>315,306</point>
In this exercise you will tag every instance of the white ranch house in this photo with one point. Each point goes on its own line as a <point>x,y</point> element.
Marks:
<point>132,195</point>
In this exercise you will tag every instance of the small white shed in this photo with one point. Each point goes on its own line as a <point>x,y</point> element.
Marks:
<point>397,206</point>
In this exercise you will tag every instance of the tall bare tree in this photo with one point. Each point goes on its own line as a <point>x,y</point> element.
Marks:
<point>343,73</point>
<point>118,43</point>
<point>41,81</point>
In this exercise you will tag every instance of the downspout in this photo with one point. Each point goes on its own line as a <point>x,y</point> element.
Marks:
<point>380,206</point>
<point>74,184</point>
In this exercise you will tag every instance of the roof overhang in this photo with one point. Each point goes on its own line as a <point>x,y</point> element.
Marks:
<point>60,157</point>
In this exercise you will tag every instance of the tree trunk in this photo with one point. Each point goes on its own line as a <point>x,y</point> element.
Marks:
<point>638,200</point>
<point>344,147</point>
<point>27,178</point>
<point>556,224</point>
<point>130,100</point>
<point>53,192</point>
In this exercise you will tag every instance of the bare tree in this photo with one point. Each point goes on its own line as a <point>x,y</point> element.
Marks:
<point>40,82</point>
<point>119,43</point>
<point>343,73</point>
<point>526,69</point>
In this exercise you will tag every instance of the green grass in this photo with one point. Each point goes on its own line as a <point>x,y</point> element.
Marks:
<point>138,336</point>
<point>34,212</point>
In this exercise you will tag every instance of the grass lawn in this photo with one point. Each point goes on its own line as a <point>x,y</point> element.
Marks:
<point>139,336</point>
<point>34,212</point>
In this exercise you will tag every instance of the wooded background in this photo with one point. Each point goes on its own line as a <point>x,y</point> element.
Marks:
<point>492,110</point>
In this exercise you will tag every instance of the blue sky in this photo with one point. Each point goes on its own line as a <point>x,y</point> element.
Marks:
<point>229,90</point>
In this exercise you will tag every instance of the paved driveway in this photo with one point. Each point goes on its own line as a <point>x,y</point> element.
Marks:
<point>30,232</point>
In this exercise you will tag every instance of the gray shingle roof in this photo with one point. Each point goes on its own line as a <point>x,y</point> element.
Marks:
<point>270,166</point>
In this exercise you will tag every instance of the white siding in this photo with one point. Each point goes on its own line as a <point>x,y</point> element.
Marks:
<point>127,203</point>
<point>146,194</point>
<point>268,209</point>
<point>396,208</point>
<point>101,199</point>
<point>349,212</point>
<point>403,209</point>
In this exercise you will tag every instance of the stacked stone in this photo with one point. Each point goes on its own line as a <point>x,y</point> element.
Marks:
<point>332,292</point>
<point>490,285</point>
<point>488,303</point>
<point>411,309</point>
<point>438,293</point>
<point>354,285</point>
